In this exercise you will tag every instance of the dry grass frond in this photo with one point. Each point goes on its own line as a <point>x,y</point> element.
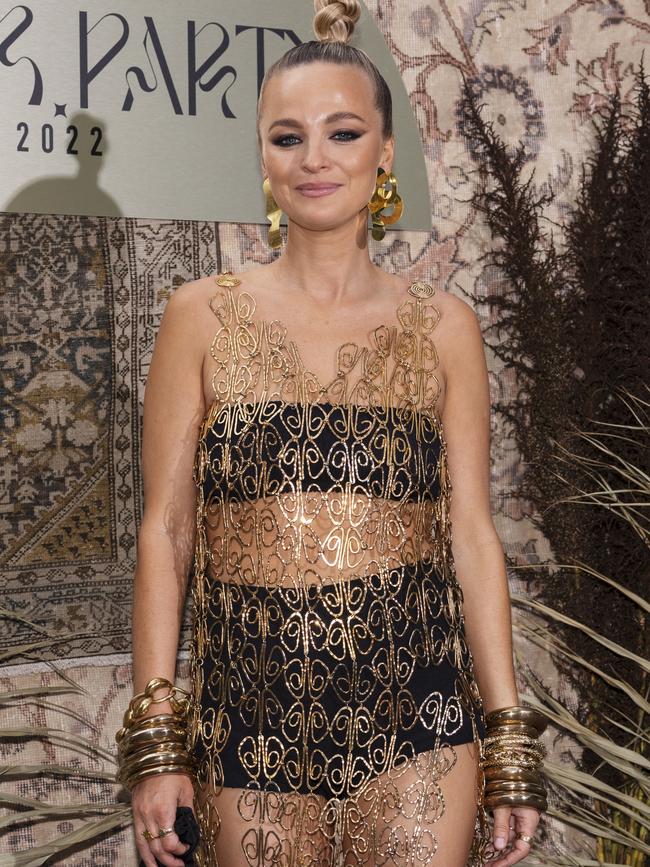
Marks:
<point>578,566</point>
<point>618,649</point>
<point>26,692</point>
<point>89,831</point>
<point>71,741</point>
<point>41,770</point>
<point>28,811</point>
<point>548,641</point>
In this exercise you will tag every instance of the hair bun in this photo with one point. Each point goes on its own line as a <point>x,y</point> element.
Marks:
<point>335,19</point>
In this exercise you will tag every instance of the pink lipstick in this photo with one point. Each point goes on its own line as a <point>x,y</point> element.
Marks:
<point>314,190</point>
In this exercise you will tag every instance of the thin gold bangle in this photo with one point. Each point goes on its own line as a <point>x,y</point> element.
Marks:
<point>150,772</point>
<point>140,760</point>
<point>150,737</point>
<point>510,772</point>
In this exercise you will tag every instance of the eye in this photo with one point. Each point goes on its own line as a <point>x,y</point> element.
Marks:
<point>349,132</point>
<point>285,140</point>
<point>281,141</point>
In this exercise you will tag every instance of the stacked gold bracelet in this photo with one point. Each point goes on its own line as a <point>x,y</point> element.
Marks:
<point>157,744</point>
<point>513,756</point>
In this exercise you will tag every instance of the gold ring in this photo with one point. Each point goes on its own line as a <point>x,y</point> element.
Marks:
<point>525,837</point>
<point>148,835</point>
<point>163,832</point>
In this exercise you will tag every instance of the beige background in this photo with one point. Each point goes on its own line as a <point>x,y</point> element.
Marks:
<point>157,159</point>
<point>83,297</point>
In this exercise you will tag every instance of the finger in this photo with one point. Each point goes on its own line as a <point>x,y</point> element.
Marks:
<point>519,850</point>
<point>172,843</point>
<point>501,830</point>
<point>527,819</point>
<point>142,846</point>
<point>166,849</point>
<point>163,857</point>
<point>500,857</point>
<point>527,822</point>
<point>169,859</point>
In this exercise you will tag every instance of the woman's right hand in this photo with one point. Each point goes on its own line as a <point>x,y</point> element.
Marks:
<point>154,801</point>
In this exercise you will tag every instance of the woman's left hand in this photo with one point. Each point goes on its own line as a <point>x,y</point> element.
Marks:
<point>508,822</point>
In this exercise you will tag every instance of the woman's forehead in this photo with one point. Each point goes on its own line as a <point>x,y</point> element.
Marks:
<point>313,93</point>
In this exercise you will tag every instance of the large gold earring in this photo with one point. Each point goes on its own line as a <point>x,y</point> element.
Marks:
<point>382,198</point>
<point>273,214</point>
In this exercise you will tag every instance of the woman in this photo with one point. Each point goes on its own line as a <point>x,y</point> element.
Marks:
<point>346,648</point>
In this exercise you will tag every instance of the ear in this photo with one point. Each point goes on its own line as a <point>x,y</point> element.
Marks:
<point>260,155</point>
<point>388,154</point>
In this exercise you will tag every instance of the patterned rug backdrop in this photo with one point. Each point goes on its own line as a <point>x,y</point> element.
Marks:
<point>82,299</point>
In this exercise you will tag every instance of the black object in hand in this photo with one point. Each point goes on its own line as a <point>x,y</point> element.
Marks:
<point>187,829</point>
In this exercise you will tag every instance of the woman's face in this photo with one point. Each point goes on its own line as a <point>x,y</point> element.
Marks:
<point>322,167</point>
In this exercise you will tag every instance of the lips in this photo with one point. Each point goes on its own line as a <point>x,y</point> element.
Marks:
<point>318,187</point>
<point>312,191</point>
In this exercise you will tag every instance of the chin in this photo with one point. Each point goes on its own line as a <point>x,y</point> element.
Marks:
<point>318,216</point>
<point>312,226</point>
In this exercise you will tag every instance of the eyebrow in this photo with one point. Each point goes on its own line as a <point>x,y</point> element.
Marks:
<point>331,118</point>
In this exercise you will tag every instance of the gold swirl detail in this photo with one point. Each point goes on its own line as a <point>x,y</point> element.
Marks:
<point>421,290</point>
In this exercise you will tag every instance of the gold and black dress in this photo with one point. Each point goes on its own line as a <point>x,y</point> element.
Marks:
<point>330,667</point>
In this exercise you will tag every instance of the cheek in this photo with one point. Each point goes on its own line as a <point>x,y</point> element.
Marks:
<point>363,172</point>
<point>283,169</point>
<point>364,181</point>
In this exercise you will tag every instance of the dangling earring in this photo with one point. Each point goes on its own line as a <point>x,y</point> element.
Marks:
<point>273,214</point>
<point>381,199</point>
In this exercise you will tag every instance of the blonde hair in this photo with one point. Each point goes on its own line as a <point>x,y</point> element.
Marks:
<point>335,19</point>
<point>334,24</point>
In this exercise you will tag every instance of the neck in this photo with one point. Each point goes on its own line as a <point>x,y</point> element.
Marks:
<point>329,265</point>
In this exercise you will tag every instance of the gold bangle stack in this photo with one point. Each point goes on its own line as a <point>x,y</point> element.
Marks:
<point>158,744</point>
<point>513,756</point>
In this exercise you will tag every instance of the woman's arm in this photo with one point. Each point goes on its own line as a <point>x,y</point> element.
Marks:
<point>478,553</point>
<point>173,409</point>
<point>477,549</point>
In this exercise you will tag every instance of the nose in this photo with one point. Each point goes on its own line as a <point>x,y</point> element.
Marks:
<point>314,155</point>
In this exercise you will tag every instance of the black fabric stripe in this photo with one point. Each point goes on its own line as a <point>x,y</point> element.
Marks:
<point>261,450</point>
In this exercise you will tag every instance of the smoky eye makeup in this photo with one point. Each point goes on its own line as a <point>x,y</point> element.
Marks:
<point>347,135</point>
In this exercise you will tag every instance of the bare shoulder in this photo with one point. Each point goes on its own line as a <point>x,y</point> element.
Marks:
<point>459,344</point>
<point>455,310</point>
<point>188,298</point>
<point>260,283</point>
<point>189,304</point>
<point>459,326</point>
<point>188,309</point>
